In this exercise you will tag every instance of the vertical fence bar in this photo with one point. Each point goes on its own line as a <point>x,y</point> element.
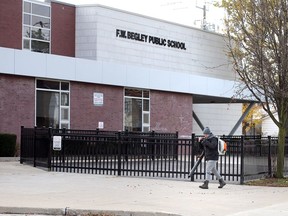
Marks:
<point>269,157</point>
<point>192,152</point>
<point>242,161</point>
<point>34,147</point>
<point>119,142</point>
<point>21,145</point>
<point>49,149</point>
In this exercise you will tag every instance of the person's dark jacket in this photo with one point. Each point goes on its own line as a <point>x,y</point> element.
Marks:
<point>210,145</point>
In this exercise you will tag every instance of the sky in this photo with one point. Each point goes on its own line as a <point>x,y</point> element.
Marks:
<point>186,12</point>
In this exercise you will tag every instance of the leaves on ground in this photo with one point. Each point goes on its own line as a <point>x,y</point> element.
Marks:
<point>270,182</point>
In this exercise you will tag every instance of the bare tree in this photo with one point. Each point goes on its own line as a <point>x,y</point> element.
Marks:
<point>257,32</point>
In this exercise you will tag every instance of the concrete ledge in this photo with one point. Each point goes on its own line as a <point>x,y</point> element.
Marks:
<point>77,212</point>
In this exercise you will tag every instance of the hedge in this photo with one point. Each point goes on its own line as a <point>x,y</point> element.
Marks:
<point>7,145</point>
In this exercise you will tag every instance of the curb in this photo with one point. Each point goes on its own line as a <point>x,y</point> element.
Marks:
<point>77,212</point>
<point>9,159</point>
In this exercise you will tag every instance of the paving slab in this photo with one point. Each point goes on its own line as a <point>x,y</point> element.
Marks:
<point>28,190</point>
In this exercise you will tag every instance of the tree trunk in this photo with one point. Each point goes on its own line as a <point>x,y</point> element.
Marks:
<point>280,153</point>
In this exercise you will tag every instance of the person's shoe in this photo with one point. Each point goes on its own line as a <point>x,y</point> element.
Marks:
<point>222,183</point>
<point>205,185</point>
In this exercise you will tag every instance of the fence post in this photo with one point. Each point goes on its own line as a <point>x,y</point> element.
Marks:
<point>269,157</point>
<point>242,161</point>
<point>21,145</point>
<point>63,144</point>
<point>119,142</point>
<point>192,153</point>
<point>34,147</point>
<point>50,148</point>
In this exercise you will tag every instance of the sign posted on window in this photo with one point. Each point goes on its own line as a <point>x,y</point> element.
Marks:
<point>57,143</point>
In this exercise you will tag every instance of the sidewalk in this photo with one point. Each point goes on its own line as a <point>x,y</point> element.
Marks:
<point>28,190</point>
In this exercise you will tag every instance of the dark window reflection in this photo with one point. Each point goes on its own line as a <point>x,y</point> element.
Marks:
<point>45,84</point>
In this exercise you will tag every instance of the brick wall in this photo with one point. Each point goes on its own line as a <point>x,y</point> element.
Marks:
<point>63,29</point>
<point>17,103</point>
<point>11,24</point>
<point>171,112</point>
<point>84,115</point>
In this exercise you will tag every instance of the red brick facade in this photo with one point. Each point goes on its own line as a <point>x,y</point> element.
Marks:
<point>171,112</point>
<point>17,103</point>
<point>11,24</point>
<point>63,29</point>
<point>84,115</point>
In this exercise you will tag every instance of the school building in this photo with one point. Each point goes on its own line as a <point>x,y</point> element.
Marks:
<point>92,66</point>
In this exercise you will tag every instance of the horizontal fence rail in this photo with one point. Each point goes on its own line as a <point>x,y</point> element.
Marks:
<point>148,154</point>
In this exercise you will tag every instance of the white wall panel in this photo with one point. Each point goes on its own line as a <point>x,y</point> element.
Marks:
<point>30,63</point>
<point>204,56</point>
<point>114,74</point>
<point>61,67</point>
<point>88,70</point>
<point>138,77</point>
<point>7,59</point>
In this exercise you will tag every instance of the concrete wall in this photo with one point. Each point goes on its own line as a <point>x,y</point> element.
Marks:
<point>96,38</point>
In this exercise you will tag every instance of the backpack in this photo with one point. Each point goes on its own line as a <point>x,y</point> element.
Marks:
<point>222,146</point>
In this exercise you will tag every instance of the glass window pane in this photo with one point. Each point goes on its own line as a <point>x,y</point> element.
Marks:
<point>146,94</point>
<point>64,99</point>
<point>40,34</point>
<point>27,20</point>
<point>41,10</point>
<point>47,109</point>
<point>133,114</point>
<point>65,86</point>
<point>64,114</point>
<point>26,32</point>
<point>146,118</point>
<point>133,92</point>
<point>145,129</point>
<point>39,46</point>
<point>26,44</point>
<point>27,7</point>
<point>45,84</point>
<point>65,125</point>
<point>145,105</point>
<point>40,22</point>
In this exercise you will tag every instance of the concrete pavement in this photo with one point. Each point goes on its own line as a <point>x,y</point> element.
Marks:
<point>28,190</point>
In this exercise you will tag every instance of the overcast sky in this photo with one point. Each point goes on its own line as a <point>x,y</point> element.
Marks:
<point>187,12</point>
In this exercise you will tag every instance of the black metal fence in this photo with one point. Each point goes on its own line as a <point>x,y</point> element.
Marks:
<point>144,154</point>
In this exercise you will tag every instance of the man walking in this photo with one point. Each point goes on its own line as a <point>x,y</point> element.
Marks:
<point>209,143</point>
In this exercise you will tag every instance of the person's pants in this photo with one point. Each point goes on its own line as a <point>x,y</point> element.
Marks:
<point>211,168</point>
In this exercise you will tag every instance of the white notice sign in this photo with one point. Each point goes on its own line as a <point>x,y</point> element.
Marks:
<point>98,99</point>
<point>57,143</point>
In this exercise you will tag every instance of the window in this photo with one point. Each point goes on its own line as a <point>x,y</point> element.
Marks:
<point>52,104</point>
<point>36,27</point>
<point>137,110</point>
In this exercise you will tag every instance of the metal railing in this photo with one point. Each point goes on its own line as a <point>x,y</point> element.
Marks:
<point>148,154</point>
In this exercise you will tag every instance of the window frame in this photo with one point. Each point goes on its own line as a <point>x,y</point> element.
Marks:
<point>145,127</point>
<point>61,107</point>
<point>30,26</point>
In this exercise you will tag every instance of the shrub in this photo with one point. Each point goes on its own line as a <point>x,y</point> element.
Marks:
<point>7,145</point>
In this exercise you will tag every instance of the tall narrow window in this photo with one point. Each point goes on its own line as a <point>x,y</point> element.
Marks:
<point>52,104</point>
<point>137,110</point>
<point>36,26</point>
